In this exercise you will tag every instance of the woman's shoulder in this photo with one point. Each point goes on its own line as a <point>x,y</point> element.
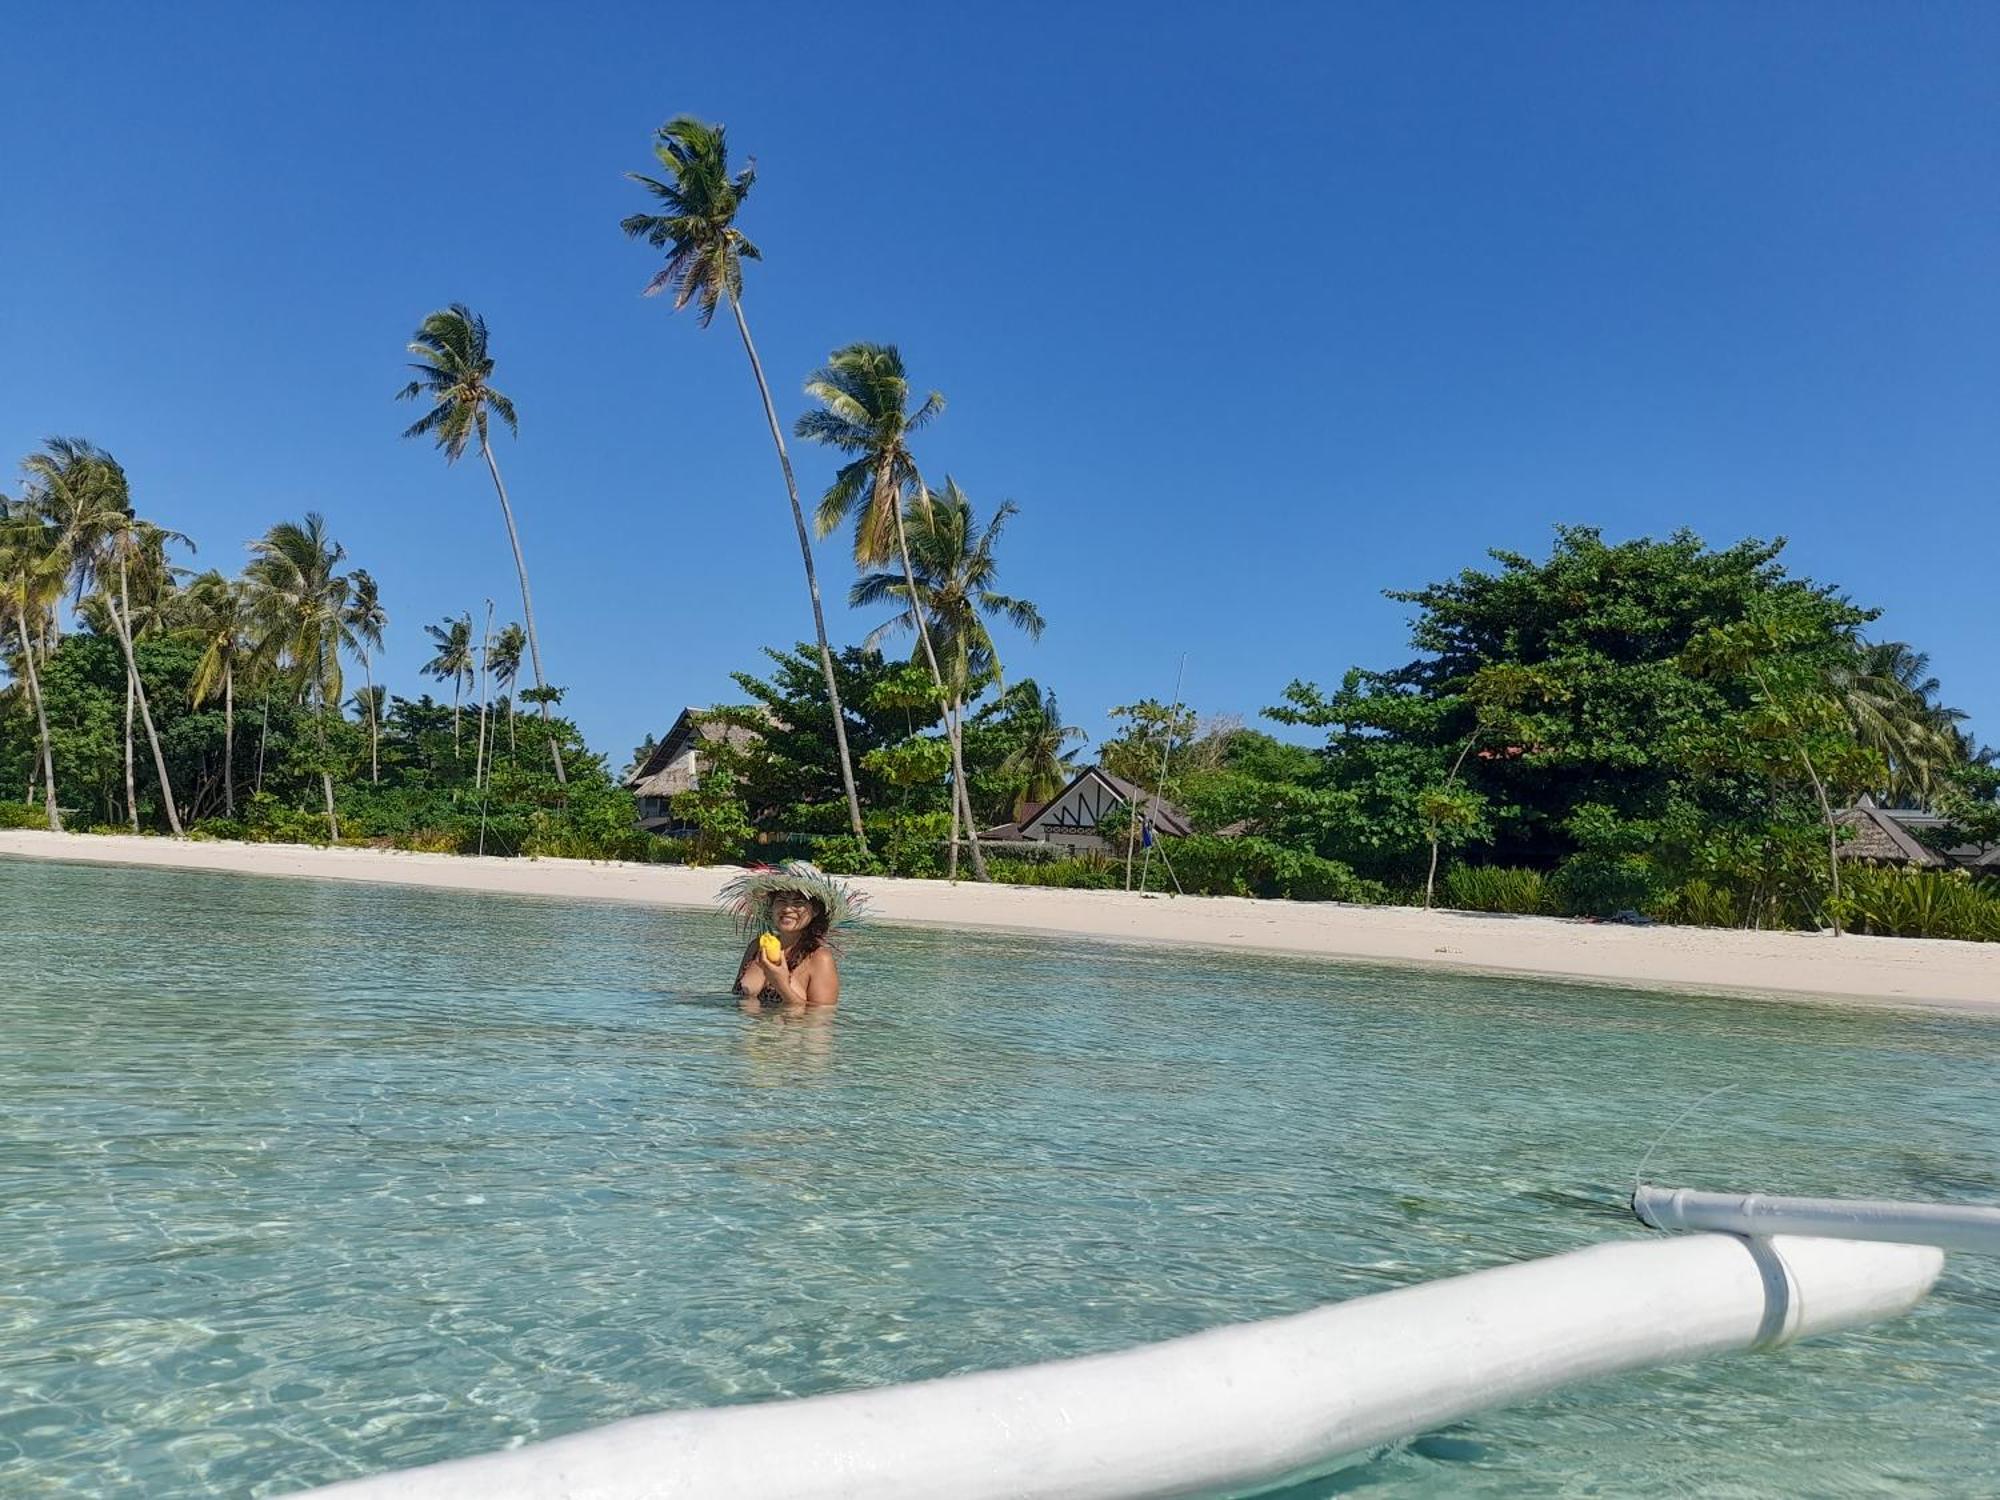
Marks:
<point>821,958</point>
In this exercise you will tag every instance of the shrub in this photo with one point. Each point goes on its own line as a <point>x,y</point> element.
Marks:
<point>1092,870</point>
<point>20,815</point>
<point>1896,902</point>
<point>1600,885</point>
<point>1521,892</point>
<point>219,828</point>
<point>1211,866</point>
<point>1701,903</point>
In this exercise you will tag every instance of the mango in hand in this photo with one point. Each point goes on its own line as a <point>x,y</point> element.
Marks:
<point>772,949</point>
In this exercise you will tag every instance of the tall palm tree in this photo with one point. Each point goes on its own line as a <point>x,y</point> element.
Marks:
<point>32,577</point>
<point>864,412</point>
<point>84,492</point>
<point>705,254</point>
<point>218,611</point>
<point>506,663</point>
<point>452,663</point>
<point>947,595</point>
<point>1040,760</point>
<point>366,619</point>
<point>300,598</point>
<point>454,373</point>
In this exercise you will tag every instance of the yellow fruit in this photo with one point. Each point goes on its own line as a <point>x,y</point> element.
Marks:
<point>772,948</point>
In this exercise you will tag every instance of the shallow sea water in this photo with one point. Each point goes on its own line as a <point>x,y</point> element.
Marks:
<point>300,1181</point>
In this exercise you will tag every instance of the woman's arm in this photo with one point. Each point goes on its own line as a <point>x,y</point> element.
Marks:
<point>821,976</point>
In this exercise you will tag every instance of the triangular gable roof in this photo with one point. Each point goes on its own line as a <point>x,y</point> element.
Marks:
<point>1166,818</point>
<point>692,722</point>
<point>1877,835</point>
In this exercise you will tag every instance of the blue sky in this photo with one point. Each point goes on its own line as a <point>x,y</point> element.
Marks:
<point>1254,310</point>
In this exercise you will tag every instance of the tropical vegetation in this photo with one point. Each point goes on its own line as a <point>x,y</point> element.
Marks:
<point>1649,729</point>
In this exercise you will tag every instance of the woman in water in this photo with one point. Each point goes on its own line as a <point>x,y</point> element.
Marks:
<point>791,915</point>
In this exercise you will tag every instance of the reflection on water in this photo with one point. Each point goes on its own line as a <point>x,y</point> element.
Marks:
<point>299,1181</point>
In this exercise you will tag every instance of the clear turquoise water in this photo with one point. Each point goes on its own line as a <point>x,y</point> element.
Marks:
<point>299,1181</point>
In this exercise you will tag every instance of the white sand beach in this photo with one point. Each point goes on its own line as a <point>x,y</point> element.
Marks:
<point>1802,966</point>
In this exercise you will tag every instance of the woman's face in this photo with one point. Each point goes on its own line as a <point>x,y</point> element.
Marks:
<point>791,913</point>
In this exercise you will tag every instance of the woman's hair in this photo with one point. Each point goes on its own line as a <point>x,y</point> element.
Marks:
<point>813,938</point>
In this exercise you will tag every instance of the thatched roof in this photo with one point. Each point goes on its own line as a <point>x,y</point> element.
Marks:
<point>1881,838</point>
<point>670,769</point>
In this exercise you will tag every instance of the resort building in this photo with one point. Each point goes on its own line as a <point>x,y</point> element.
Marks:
<point>675,766</point>
<point>1896,836</point>
<point>1069,820</point>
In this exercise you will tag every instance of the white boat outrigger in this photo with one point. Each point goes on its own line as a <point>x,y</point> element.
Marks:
<point>1240,1409</point>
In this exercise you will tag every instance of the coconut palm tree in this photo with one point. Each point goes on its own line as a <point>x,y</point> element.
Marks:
<point>32,578</point>
<point>950,572</point>
<point>218,611</point>
<point>864,412</point>
<point>506,664</point>
<point>699,199</point>
<point>452,663</point>
<point>366,619</point>
<point>454,373</point>
<point>300,599</point>
<point>1890,699</point>
<point>83,491</point>
<point>1040,761</point>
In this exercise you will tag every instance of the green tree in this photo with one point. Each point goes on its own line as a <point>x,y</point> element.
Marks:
<point>454,371</point>
<point>300,601</point>
<point>1040,762</point>
<point>84,493</point>
<point>864,412</point>
<point>452,662</point>
<point>953,569</point>
<point>505,659</point>
<point>32,575</point>
<point>699,199</point>
<point>218,612</point>
<point>366,619</point>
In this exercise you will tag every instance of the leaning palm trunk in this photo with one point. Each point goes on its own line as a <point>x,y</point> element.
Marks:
<point>961,804</point>
<point>122,617</point>
<point>229,739</point>
<point>527,604</point>
<point>41,723</point>
<point>812,582</point>
<point>131,789</point>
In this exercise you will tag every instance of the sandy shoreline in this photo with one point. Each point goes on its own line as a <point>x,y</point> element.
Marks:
<point>1800,966</point>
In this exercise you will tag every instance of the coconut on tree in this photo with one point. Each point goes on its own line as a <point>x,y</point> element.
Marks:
<point>454,372</point>
<point>698,199</point>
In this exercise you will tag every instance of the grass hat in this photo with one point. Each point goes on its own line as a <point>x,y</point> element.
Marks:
<point>748,896</point>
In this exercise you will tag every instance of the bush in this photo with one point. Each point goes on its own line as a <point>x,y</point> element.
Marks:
<point>1601,885</point>
<point>1701,903</point>
<point>1520,892</point>
<point>20,815</point>
<point>219,828</point>
<point>1897,902</point>
<point>1211,866</point>
<point>1093,870</point>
